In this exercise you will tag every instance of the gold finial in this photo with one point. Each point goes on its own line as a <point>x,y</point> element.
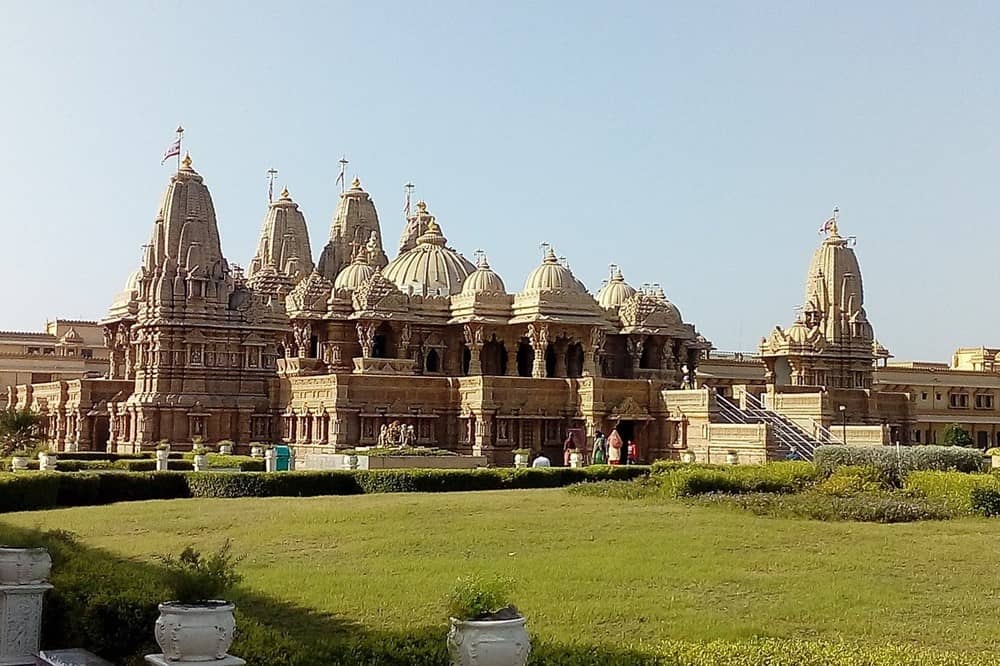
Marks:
<point>285,194</point>
<point>356,183</point>
<point>421,206</point>
<point>186,162</point>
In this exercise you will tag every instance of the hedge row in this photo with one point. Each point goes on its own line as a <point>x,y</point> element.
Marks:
<point>30,491</point>
<point>775,477</point>
<point>894,464</point>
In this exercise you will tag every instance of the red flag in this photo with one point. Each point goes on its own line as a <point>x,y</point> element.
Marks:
<point>173,150</point>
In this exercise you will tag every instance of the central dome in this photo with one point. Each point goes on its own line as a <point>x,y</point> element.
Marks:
<point>484,280</point>
<point>552,276</point>
<point>430,268</point>
<point>616,291</point>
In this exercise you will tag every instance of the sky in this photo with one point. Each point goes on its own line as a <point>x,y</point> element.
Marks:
<point>698,145</point>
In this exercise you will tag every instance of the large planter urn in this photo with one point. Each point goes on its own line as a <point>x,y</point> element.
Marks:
<point>575,460</point>
<point>190,633</point>
<point>520,460</point>
<point>162,460</point>
<point>47,461</point>
<point>256,451</point>
<point>270,460</point>
<point>19,464</point>
<point>350,462</point>
<point>489,642</point>
<point>24,566</point>
<point>226,449</point>
<point>23,572</point>
<point>200,462</point>
<point>732,458</point>
<point>688,456</point>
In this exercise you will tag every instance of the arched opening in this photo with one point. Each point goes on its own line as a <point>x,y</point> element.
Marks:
<point>550,361</point>
<point>494,358</point>
<point>574,360</point>
<point>525,358</point>
<point>313,347</point>
<point>432,362</point>
<point>383,346</point>
<point>466,360</point>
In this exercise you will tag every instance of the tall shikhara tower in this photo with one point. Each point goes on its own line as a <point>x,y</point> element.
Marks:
<point>199,344</point>
<point>355,224</point>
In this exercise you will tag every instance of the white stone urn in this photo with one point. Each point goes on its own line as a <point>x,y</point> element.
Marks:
<point>226,449</point>
<point>520,460</point>
<point>489,642</point>
<point>19,463</point>
<point>47,461</point>
<point>199,632</point>
<point>200,462</point>
<point>162,460</point>
<point>350,462</point>
<point>24,566</point>
<point>732,458</point>
<point>575,459</point>
<point>256,451</point>
<point>271,460</point>
<point>687,456</point>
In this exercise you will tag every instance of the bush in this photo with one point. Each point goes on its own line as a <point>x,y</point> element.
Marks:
<point>985,501</point>
<point>956,435</point>
<point>624,490</point>
<point>776,477</point>
<point>868,507</point>
<point>193,578</point>
<point>26,491</point>
<point>852,480</point>
<point>893,465</point>
<point>951,489</point>
<point>480,598</point>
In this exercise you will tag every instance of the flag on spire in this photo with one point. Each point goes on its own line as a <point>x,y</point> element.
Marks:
<point>173,150</point>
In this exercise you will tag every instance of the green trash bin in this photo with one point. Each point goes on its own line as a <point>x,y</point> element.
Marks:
<point>283,458</point>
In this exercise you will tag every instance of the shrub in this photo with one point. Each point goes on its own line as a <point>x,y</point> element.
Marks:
<point>776,477</point>
<point>985,501</point>
<point>26,491</point>
<point>20,429</point>
<point>956,435</point>
<point>480,598</point>
<point>626,490</point>
<point>147,465</point>
<point>853,479</point>
<point>867,507</point>
<point>951,489</point>
<point>196,579</point>
<point>894,464</point>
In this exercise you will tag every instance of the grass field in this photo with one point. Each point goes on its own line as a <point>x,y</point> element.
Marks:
<point>589,570</point>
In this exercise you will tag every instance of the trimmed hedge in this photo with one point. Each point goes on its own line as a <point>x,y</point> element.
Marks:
<point>894,466</point>
<point>952,489</point>
<point>27,491</point>
<point>775,477</point>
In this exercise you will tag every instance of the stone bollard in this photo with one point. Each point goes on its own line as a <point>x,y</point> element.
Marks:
<point>47,461</point>
<point>270,460</point>
<point>575,460</point>
<point>200,462</point>
<point>23,576</point>
<point>162,456</point>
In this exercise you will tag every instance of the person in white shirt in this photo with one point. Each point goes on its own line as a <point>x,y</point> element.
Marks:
<point>541,461</point>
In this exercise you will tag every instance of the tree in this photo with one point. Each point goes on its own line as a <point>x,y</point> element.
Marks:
<point>20,429</point>
<point>956,435</point>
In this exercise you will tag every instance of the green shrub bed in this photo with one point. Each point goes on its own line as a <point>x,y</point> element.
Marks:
<point>776,477</point>
<point>951,489</point>
<point>862,507</point>
<point>26,491</point>
<point>895,464</point>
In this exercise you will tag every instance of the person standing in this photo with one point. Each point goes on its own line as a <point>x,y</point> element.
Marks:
<point>600,452</point>
<point>615,448</point>
<point>569,447</point>
<point>633,453</point>
<point>541,461</point>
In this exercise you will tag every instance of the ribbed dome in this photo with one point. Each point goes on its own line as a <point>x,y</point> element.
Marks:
<point>430,267</point>
<point>616,291</point>
<point>798,333</point>
<point>483,280</point>
<point>354,274</point>
<point>553,276</point>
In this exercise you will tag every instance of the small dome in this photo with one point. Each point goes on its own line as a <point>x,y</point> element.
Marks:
<point>134,279</point>
<point>355,273</point>
<point>797,333</point>
<point>616,291</point>
<point>483,280</point>
<point>431,267</point>
<point>553,276</point>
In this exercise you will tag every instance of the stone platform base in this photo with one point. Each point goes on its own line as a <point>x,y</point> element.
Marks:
<point>228,660</point>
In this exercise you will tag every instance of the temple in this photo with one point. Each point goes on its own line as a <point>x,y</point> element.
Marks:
<point>323,354</point>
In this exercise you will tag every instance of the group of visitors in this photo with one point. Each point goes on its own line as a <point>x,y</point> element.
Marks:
<point>611,450</point>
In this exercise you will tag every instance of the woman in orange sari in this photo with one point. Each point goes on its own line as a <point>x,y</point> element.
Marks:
<point>615,445</point>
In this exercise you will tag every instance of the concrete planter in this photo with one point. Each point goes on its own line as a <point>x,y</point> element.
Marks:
<point>732,458</point>
<point>162,456</point>
<point>995,461</point>
<point>688,456</point>
<point>226,449</point>
<point>47,461</point>
<point>24,566</point>
<point>201,462</point>
<point>256,451</point>
<point>489,642</point>
<point>195,632</point>
<point>520,460</point>
<point>19,464</point>
<point>575,460</point>
<point>350,462</point>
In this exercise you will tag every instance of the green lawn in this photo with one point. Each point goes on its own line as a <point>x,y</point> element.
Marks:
<point>589,570</point>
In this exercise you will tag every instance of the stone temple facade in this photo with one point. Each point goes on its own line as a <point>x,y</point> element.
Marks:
<point>323,354</point>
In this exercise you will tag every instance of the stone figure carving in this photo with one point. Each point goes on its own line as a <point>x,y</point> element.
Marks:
<point>383,436</point>
<point>410,436</point>
<point>366,338</point>
<point>303,335</point>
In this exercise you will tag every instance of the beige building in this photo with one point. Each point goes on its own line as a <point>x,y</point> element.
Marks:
<point>66,349</point>
<point>326,355</point>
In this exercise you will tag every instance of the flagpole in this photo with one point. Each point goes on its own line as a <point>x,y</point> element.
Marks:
<point>271,173</point>
<point>409,195</point>
<point>343,169</point>
<point>180,147</point>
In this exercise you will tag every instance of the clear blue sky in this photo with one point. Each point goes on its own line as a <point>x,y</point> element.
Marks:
<point>698,145</point>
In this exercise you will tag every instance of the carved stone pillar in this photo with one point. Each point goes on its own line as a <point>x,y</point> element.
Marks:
<point>366,338</point>
<point>538,337</point>
<point>560,347</point>
<point>592,360</point>
<point>510,347</point>
<point>302,331</point>
<point>474,339</point>
<point>633,344</point>
<point>21,620</point>
<point>405,336</point>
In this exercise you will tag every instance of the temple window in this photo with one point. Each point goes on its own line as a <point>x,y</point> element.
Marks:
<point>87,353</point>
<point>958,400</point>
<point>49,351</point>
<point>433,361</point>
<point>984,401</point>
<point>525,358</point>
<point>32,351</point>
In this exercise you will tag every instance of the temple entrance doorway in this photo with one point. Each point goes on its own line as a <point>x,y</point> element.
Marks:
<point>631,431</point>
